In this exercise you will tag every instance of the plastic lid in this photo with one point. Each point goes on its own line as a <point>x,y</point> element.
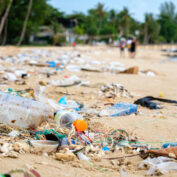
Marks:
<point>80,125</point>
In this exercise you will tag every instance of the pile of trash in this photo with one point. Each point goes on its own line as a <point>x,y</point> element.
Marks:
<point>30,126</point>
<point>33,123</point>
<point>115,90</point>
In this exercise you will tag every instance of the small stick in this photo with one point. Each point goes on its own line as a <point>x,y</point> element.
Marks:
<point>112,158</point>
<point>3,134</point>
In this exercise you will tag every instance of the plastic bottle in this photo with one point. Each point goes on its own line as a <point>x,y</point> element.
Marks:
<point>23,112</point>
<point>81,156</point>
<point>66,119</point>
<point>166,145</point>
<point>72,80</point>
<point>120,109</point>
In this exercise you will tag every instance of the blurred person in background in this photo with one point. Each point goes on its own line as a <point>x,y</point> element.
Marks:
<point>129,42</point>
<point>122,45</point>
<point>133,48</point>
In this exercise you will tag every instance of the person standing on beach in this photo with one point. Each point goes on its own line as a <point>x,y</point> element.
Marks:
<point>122,44</point>
<point>133,48</point>
<point>129,42</point>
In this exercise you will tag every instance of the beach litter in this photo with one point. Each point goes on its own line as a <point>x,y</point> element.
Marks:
<point>57,120</point>
<point>148,102</point>
<point>159,165</point>
<point>119,109</point>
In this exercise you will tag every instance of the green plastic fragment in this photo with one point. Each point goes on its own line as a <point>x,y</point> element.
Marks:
<point>10,90</point>
<point>45,132</point>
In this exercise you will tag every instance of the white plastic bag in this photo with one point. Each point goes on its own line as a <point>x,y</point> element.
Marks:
<point>162,164</point>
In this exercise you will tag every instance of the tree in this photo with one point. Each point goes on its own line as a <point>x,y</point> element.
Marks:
<point>151,29</point>
<point>80,22</point>
<point>168,28</point>
<point>3,20</point>
<point>168,9</point>
<point>124,22</point>
<point>97,18</point>
<point>168,21</point>
<point>19,19</point>
<point>3,4</point>
<point>39,12</point>
<point>113,21</point>
<point>52,19</point>
<point>25,22</point>
<point>146,24</point>
<point>5,33</point>
<point>100,14</point>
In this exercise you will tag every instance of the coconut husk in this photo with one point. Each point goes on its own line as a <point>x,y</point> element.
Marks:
<point>165,152</point>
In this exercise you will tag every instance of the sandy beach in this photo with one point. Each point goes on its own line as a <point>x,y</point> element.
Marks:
<point>153,127</point>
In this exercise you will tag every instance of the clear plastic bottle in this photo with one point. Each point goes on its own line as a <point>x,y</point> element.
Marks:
<point>23,112</point>
<point>66,118</point>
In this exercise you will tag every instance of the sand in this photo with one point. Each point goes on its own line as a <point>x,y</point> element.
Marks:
<point>153,126</point>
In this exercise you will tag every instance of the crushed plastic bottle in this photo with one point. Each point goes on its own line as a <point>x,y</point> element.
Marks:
<point>23,112</point>
<point>120,109</point>
<point>72,80</point>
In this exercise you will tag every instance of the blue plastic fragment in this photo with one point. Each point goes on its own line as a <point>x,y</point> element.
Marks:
<point>52,64</point>
<point>77,109</point>
<point>63,100</point>
<point>166,145</point>
<point>105,148</point>
<point>65,141</point>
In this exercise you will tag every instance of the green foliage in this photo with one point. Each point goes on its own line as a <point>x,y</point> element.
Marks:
<point>168,29</point>
<point>78,30</point>
<point>3,4</point>
<point>161,39</point>
<point>168,9</point>
<point>97,18</point>
<point>59,40</point>
<point>168,22</point>
<point>17,15</point>
<point>51,19</point>
<point>107,29</point>
<point>79,17</point>
<point>151,29</point>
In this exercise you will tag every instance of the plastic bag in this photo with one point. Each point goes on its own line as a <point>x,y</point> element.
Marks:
<point>162,164</point>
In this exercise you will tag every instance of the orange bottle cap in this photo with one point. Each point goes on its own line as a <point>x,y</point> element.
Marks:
<point>80,125</point>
